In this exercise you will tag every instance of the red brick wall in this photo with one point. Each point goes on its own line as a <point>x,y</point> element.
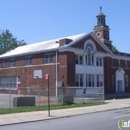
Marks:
<point>66,69</point>
<point>80,44</point>
<point>108,75</point>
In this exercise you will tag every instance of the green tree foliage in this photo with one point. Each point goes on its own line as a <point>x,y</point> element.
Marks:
<point>114,49</point>
<point>8,42</point>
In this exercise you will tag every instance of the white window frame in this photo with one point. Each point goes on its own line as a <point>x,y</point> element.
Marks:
<point>12,63</point>
<point>89,57</point>
<point>90,80</point>
<point>48,58</point>
<point>99,61</point>
<point>79,59</point>
<point>79,80</point>
<point>28,60</point>
<point>8,82</point>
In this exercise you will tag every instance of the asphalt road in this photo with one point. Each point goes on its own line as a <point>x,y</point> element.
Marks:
<point>96,121</point>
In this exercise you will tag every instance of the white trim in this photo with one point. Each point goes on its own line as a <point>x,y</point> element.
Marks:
<point>82,51</point>
<point>120,77</point>
<point>91,43</point>
<point>30,66</point>
<point>101,43</point>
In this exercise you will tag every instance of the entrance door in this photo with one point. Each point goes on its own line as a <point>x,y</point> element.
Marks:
<point>120,87</point>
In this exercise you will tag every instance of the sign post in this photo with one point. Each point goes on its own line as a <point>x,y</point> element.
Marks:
<point>47,77</point>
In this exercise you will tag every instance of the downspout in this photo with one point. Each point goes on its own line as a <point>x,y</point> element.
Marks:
<point>56,75</point>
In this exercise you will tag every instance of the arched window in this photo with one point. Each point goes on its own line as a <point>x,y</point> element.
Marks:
<point>89,56</point>
<point>90,48</point>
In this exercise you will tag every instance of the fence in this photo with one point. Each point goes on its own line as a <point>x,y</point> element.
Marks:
<point>83,94</point>
<point>8,96</point>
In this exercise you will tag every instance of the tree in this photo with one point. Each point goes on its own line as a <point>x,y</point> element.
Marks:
<point>114,49</point>
<point>8,42</point>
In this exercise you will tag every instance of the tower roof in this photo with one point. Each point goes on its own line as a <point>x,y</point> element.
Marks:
<point>101,13</point>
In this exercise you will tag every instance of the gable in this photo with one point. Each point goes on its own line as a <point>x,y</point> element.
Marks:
<point>81,44</point>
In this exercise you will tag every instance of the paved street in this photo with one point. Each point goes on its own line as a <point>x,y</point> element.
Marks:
<point>95,121</point>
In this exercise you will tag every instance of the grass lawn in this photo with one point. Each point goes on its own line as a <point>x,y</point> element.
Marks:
<point>43,108</point>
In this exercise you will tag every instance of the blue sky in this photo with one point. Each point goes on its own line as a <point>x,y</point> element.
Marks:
<point>40,20</point>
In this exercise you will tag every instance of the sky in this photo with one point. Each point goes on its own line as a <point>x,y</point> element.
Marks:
<point>40,20</point>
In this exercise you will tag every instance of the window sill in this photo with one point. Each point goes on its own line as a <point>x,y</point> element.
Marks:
<point>27,65</point>
<point>13,67</point>
<point>48,63</point>
<point>9,88</point>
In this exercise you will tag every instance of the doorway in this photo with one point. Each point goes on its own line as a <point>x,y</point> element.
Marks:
<point>120,86</point>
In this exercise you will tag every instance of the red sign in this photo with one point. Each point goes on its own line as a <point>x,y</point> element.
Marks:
<point>18,84</point>
<point>46,76</point>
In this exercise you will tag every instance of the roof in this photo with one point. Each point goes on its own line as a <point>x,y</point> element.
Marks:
<point>38,47</point>
<point>101,14</point>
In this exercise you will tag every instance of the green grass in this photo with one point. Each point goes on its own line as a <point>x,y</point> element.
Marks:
<point>43,108</point>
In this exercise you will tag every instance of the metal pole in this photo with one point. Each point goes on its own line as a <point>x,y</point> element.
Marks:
<point>56,74</point>
<point>9,97</point>
<point>39,90</point>
<point>48,98</point>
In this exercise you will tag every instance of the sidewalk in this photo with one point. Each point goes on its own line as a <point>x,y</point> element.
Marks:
<point>43,115</point>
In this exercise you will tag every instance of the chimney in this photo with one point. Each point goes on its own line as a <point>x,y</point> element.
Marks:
<point>65,41</point>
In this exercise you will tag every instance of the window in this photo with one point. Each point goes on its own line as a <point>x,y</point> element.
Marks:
<point>79,59</point>
<point>8,82</point>
<point>79,80</point>
<point>89,80</point>
<point>48,58</point>
<point>89,57</point>
<point>99,61</point>
<point>28,60</point>
<point>126,63</point>
<point>97,80</point>
<point>2,64</point>
<point>126,80</point>
<point>12,62</point>
<point>76,59</point>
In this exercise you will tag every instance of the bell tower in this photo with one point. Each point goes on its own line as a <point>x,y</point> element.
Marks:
<point>102,30</point>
